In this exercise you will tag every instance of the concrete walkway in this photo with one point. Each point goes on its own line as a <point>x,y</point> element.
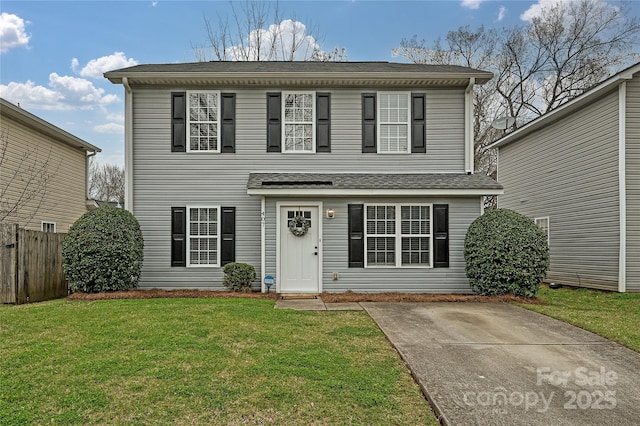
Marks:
<point>498,364</point>
<point>315,305</point>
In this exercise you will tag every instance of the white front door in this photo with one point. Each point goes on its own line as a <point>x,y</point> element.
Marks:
<point>299,249</point>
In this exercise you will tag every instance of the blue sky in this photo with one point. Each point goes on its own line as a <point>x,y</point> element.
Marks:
<point>53,53</point>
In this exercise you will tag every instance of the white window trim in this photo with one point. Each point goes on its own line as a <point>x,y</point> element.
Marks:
<point>398,236</point>
<point>379,122</point>
<point>188,122</point>
<point>201,206</point>
<point>548,227</point>
<point>46,222</point>
<point>313,122</point>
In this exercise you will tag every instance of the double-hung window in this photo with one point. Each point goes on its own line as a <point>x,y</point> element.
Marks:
<point>203,231</point>
<point>298,110</point>
<point>398,235</point>
<point>543,224</point>
<point>203,114</point>
<point>394,130</point>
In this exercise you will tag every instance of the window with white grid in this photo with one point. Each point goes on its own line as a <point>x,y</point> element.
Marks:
<point>543,223</point>
<point>299,119</point>
<point>393,122</point>
<point>415,228</point>
<point>203,235</point>
<point>48,226</point>
<point>398,235</point>
<point>381,235</point>
<point>203,113</point>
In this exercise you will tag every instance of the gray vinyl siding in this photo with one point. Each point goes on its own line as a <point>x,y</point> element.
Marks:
<point>569,172</point>
<point>462,211</point>
<point>633,183</point>
<point>163,179</point>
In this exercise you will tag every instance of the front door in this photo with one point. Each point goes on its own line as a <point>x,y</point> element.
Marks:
<point>299,249</point>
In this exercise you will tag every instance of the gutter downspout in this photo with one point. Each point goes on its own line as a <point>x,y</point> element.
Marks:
<point>622,186</point>
<point>263,233</point>
<point>128,145</point>
<point>468,127</point>
<point>87,172</point>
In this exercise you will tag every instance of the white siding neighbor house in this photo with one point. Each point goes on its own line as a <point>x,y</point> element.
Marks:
<point>327,177</point>
<point>576,172</point>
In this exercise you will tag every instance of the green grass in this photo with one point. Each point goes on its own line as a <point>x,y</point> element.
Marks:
<point>615,316</point>
<point>199,361</point>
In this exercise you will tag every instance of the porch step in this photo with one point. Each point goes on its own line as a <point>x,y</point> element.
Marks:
<point>298,296</point>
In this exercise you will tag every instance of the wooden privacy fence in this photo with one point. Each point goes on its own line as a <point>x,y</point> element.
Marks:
<point>30,265</point>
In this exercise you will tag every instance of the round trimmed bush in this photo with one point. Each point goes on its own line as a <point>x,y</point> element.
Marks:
<point>239,276</point>
<point>505,253</point>
<point>103,251</point>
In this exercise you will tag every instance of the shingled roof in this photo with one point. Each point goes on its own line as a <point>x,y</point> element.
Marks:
<point>241,73</point>
<point>371,183</point>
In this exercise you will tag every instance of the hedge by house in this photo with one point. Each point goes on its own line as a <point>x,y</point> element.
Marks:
<point>505,253</point>
<point>103,251</point>
<point>239,276</point>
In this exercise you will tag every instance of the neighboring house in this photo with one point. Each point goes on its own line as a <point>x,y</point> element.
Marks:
<point>576,171</point>
<point>43,172</point>
<point>325,176</point>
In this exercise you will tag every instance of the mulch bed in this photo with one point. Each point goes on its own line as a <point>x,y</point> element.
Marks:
<point>326,297</point>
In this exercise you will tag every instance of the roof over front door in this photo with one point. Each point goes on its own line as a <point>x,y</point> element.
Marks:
<point>378,184</point>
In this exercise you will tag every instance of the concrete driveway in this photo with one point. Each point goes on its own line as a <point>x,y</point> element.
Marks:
<point>498,364</point>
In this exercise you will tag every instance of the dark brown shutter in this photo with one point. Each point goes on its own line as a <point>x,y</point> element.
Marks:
<point>418,134</point>
<point>440,236</point>
<point>228,122</point>
<point>228,235</point>
<point>178,121</point>
<point>369,122</point>
<point>274,122</point>
<point>178,236</point>
<point>356,235</point>
<point>323,122</point>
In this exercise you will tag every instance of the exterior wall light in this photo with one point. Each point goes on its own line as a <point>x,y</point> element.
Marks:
<point>330,213</point>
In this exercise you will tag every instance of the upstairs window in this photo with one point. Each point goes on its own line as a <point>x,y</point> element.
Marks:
<point>298,112</point>
<point>394,111</point>
<point>203,115</point>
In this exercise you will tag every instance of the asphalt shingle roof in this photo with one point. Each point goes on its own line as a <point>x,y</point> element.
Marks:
<point>371,181</point>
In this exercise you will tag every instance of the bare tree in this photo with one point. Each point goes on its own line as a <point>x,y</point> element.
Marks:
<point>256,32</point>
<point>561,53</point>
<point>106,182</point>
<point>23,183</point>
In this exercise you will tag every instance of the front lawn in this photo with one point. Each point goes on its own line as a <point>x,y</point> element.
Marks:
<point>615,316</point>
<point>199,361</point>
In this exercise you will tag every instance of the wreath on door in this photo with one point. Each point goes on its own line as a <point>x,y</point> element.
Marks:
<point>299,225</point>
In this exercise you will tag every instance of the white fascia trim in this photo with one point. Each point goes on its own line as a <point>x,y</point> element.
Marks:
<point>468,127</point>
<point>328,192</point>
<point>622,194</point>
<point>128,145</point>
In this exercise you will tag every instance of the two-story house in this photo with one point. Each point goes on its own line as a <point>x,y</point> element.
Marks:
<point>324,176</point>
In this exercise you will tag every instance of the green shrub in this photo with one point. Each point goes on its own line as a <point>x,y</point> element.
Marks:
<point>239,276</point>
<point>103,251</point>
<point>505,253</point>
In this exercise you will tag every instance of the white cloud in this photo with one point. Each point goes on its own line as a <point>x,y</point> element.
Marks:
<point>109,128</point>
<point>536,9</point>
<point>12,32</point>
<point>502,13</point>
<point>96,67</point>
<point>471,4</point>
<point>117,117</point>
<point>282,37</point>
<point>63,93</point>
